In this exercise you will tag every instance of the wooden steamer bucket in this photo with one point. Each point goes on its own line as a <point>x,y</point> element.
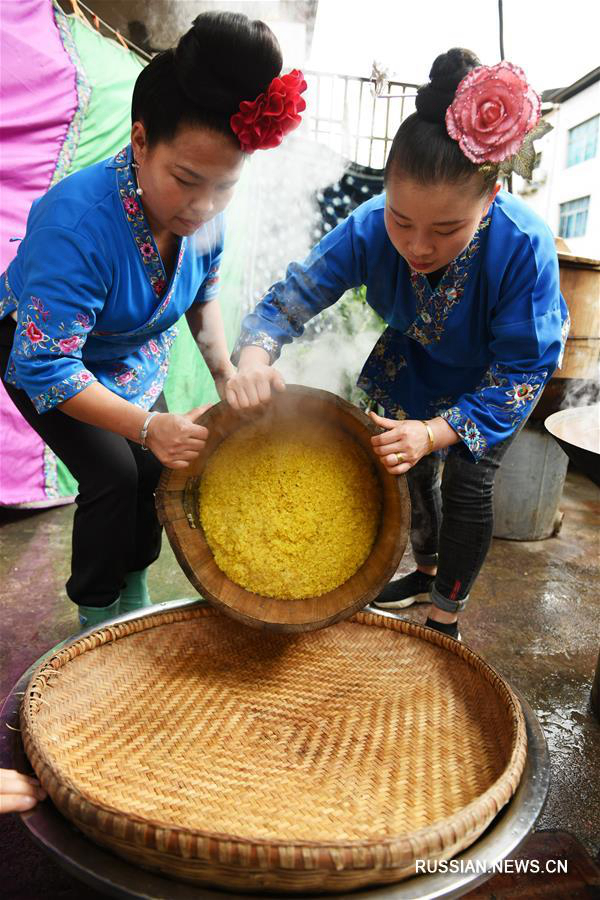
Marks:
<point>578,374</point>
<point>530,482</point>
<point>177,503</point>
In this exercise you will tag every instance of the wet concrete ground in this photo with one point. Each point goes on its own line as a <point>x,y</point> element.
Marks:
<point>534,614</point>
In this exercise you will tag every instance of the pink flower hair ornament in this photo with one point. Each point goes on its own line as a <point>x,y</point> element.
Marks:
<point>494,116</point>
<point>262,124</point>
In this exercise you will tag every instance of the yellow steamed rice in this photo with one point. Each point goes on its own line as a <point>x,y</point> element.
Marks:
<point>289,515</point>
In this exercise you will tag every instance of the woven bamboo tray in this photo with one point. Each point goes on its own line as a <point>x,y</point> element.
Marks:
<point>255,761</point>
<point>177,505</point>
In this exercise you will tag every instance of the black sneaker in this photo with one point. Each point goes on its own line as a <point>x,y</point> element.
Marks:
<point>403,592</point>
<point>450,629</point>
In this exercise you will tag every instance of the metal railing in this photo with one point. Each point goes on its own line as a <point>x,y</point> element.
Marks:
<point>345,113</point>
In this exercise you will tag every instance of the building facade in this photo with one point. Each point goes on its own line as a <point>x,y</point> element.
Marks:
<point>565,189</point>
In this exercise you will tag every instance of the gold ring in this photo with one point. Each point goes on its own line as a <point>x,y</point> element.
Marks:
<point>400,458</point>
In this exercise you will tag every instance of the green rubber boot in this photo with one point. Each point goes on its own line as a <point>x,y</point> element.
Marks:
<point>95,615</point>
<point>135,593</point>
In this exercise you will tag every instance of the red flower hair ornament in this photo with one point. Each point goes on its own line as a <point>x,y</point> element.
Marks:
<point>262,124</point>
<point>494,116</point>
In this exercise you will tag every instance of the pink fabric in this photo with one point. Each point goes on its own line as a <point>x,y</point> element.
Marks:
<point>39,98</point>
<point>21,457</point>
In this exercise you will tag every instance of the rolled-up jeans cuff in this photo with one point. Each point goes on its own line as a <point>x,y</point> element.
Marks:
<point>425,559</point>
<point>451,606</point>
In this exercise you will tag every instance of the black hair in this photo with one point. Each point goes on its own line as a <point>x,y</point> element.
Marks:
<point>223,59</point>
<point>422,148</point>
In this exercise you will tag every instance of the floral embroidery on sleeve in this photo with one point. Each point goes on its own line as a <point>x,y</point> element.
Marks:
<point>256,339</point>
<point>64,390</point>
<point>467,430</point>
<point>69,340</point>
<point>511,395</point>
<point>34,337</point>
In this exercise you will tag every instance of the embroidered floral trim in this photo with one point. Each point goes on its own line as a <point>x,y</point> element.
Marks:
<point>68,345</point>
<point>434,306</point>
<point>125,377</point>
<point>522,394</point>
<point>84,93</point>
<point>151,395</point>
<point>33,336</point>
<point>508,396</point>
<point>156,349</point>
<point>256,339</point>
<point>467,430</point>
<point>134,213</point>
<point>511,395</point>
<point>62,391</point>
<point>158,313</point>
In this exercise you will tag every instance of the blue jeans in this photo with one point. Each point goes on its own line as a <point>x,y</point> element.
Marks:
<point>453,519</point>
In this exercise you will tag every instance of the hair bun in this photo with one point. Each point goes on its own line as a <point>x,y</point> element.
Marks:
<point>197,81</point>
<point>225,58</point>
<point>447,71</point>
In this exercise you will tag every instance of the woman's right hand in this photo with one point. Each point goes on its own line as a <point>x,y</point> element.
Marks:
<point>251,386</point>
<point>175,439</point>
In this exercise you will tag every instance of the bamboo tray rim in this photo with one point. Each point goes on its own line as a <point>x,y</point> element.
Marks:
<point>498,793</point>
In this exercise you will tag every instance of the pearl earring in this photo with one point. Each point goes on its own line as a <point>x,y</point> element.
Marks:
<point>139,191</point>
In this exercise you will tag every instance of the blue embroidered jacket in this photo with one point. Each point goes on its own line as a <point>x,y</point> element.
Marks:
<point>476,350</point>
<point>91,293</point>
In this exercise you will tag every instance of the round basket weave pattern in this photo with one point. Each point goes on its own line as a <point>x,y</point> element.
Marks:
<point>325,760</point>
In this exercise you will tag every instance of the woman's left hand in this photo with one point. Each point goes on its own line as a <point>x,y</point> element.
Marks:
<point>401,445</point>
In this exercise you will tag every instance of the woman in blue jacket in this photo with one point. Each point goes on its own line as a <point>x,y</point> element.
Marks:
<point>113,256</point>
<point>466,277</point>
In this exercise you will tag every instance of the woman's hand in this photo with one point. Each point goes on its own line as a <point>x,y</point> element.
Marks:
<point>401,445</point>
<point>404,443</point>
<point>254,381</point>
<point>175,439</point>
<point>19,793</point>
<point>221,379</point>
